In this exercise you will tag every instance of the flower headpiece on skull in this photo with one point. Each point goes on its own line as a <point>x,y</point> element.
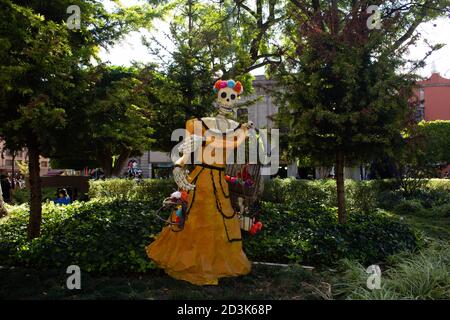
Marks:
<point>227,94</point>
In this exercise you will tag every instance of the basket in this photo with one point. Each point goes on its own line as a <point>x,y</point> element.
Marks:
<point>249,194</point>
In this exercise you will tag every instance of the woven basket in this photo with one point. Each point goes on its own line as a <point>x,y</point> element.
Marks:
<point>249,194</point>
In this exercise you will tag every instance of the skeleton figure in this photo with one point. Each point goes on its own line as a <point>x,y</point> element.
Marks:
<point>227,95</point>
<point>209,246</point>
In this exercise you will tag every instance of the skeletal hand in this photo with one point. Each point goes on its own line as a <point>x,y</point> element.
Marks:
<point>191,144</point>
<point>180,176</point>
<point>250,125</point>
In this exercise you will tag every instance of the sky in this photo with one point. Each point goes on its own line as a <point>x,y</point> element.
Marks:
<point>438,31</point>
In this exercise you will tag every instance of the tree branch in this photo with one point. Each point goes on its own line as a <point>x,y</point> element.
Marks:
<point>240,4</point>
<point>412,28</point>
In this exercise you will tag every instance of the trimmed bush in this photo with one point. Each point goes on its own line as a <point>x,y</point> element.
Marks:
<point>110,235</point>
<point>23,195</point>
<point>148,190</point>
<point>409,207</point>
<point>443,184</point>
<point>109,232</point>
<point>361,196</point>
<point>430,198</point>
<point>303,193</point>
<point>99,236</point>
<point>313,236</point>
<point>423,202</point>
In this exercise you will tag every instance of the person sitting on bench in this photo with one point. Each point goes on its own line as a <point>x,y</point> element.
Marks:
<point>63,198</point>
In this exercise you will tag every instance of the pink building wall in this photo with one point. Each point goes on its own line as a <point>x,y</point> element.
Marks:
<point>436,97</point>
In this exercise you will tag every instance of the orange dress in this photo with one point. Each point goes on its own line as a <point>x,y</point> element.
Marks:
<point>210,245</point>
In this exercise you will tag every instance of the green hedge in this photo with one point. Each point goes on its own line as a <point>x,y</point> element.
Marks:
<point>109,232</point>
<point>23,195</point>
<point>443,184</point>
<point>313,236</point>
<point>103,235</point>
<point>149,190</point>
<point>361,196</point>
<point>109,235</point>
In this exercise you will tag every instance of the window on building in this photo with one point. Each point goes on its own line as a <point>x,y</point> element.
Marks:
<point>8,162</point>
<point>421,108</point>
<point>44,164</point>
<point>10,154</point>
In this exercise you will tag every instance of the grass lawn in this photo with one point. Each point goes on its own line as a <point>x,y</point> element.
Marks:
<point>264,282</point>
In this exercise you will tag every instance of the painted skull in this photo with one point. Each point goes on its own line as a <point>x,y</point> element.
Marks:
<point>227,95</point>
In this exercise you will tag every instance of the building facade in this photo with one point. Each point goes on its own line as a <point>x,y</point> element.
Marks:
<point>7,159</point>
<point>434,98</point>
<point>434,101</point>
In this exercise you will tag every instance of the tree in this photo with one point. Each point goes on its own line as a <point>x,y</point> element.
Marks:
<point>422,154</point>
<point>110,119</point>
<point>32,88</point>
<point>436,135</point>
<point>226,39</point>
<point>39,57</point>
<point>346,91</point>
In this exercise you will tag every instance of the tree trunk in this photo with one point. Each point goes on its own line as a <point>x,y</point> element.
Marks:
<point>13,170</point>
<point>340,161</point>
<point>34,226</point>
<point>120,162</point>
<point>105,160</point>
<point>107,168</point>
<point>3,211</point>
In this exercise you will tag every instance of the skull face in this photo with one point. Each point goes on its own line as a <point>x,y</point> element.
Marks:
<point>227,92</point>
<point>226,98</point>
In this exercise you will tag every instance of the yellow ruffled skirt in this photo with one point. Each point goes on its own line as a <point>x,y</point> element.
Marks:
<point>210,245</point>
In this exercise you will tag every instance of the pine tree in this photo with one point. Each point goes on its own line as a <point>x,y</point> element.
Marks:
<point>346,86</point>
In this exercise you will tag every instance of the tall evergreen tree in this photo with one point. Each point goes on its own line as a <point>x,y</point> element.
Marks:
<point>40,55</point>
<point>346,86</point>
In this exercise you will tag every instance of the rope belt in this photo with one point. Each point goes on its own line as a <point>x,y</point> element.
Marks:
<point>204,165</point>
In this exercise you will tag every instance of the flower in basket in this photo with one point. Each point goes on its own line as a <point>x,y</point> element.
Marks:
<point>248,182</point>
<point>256,227</point>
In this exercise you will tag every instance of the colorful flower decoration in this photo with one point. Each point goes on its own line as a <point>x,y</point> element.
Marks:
<point>181,198</point>
<point>242,177</point>
<point>236,86</point>
<point>238,180</point>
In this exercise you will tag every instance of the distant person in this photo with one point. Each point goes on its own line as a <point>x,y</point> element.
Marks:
<point>6,188</point>
<point>63,198</point>
<point>133,169</point>
<point>21,182</point>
